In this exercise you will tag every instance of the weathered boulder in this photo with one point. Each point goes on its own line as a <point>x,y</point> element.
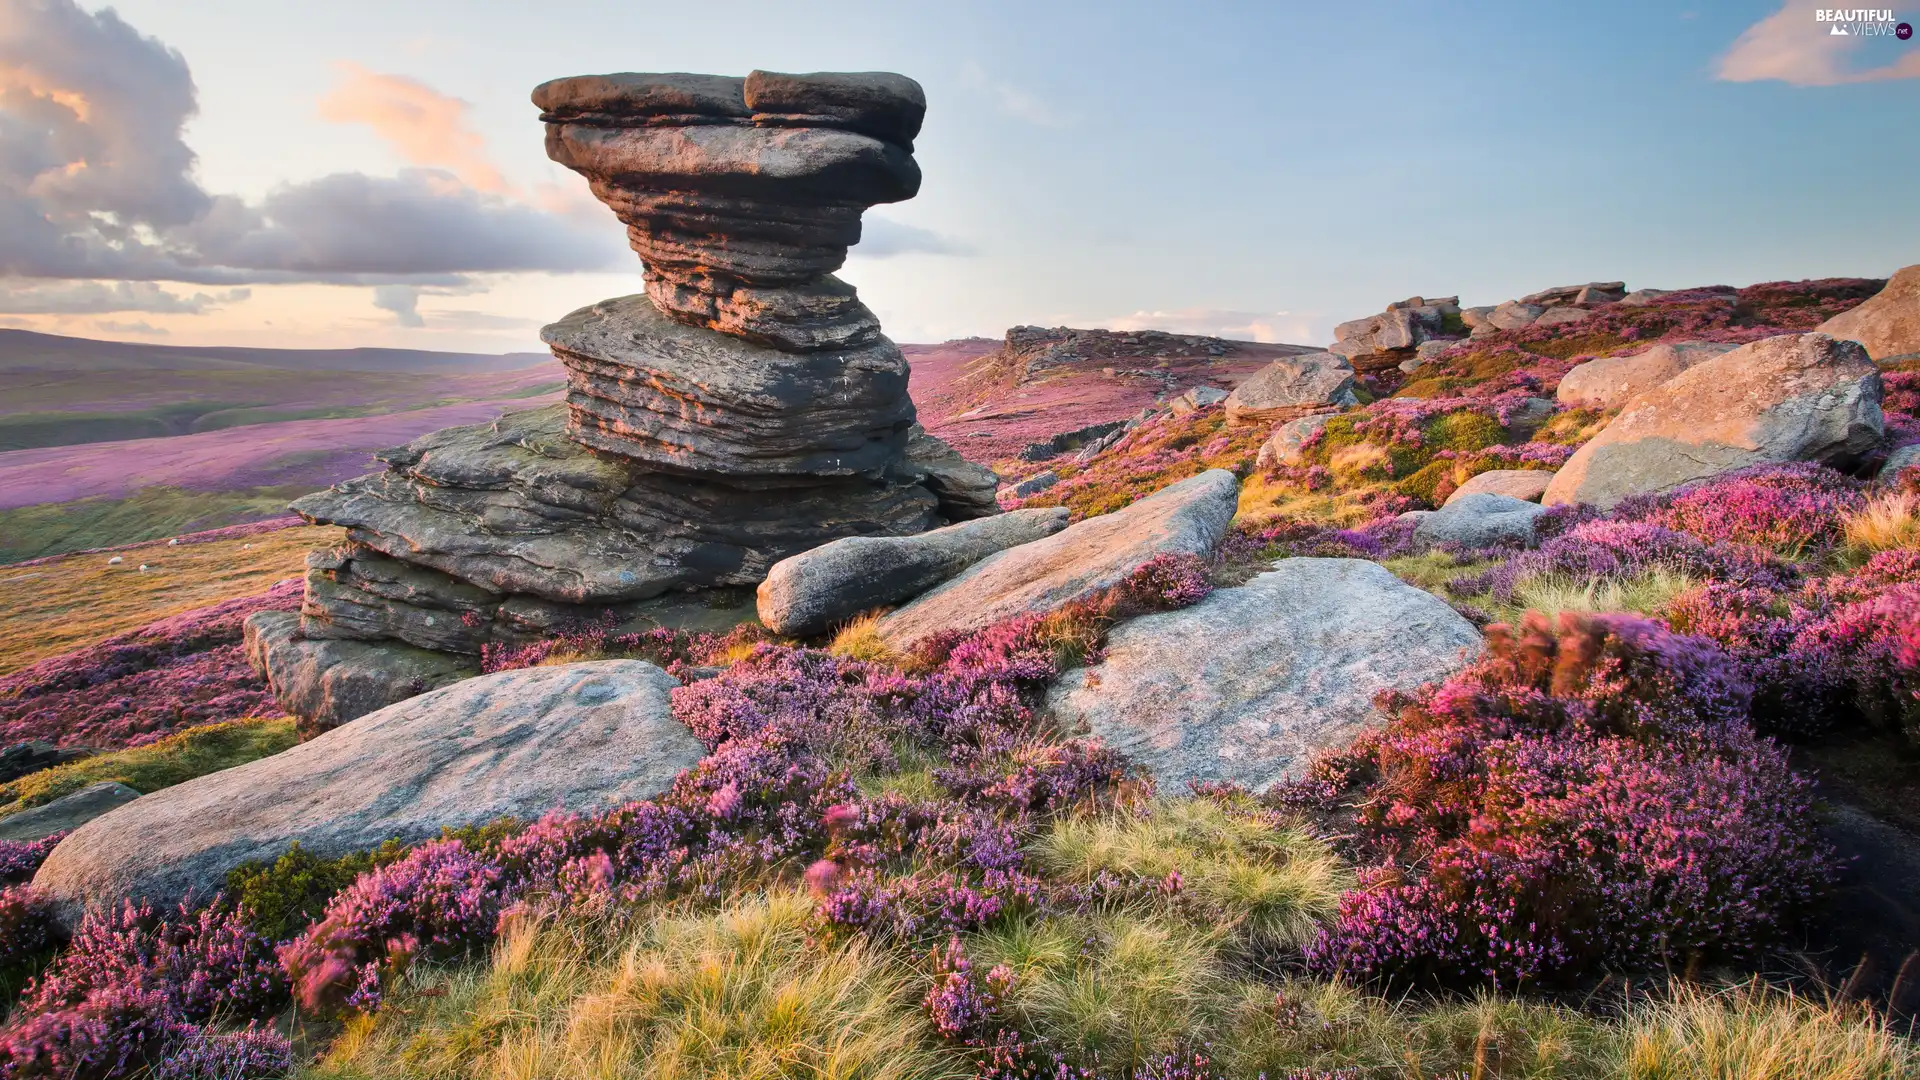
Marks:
<point>1514,314</point>
<point>1560,316</point>
<point>811,592</point>
<point>1081,563</point>
<point>1642,297</point>
<point>1905,457</point>
<point>1525,484</point>
<point>1197,398</point>
<point>1601,292</point>
<point>1611,381</point>
<point>33,755</point>
<point>964,490</point>
<point>1035,484</point>
<point>329,682</point>
<point>512,744</point>
<point>1293,386</point>
<point>1245,686</point>
<point>1795,397</point>
<point>1478,520</point>
<point>1476,317</point>
<point>67,812</point>
<point>1287,444</point>
<point>1888,323</point>
<point>1381,341</point>
<point>1571,294</point>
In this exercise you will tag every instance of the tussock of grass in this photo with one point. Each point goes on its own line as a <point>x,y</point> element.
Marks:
<point>1249,871</point>
<point>1646,594</point>
<point>729,995</point>
<point>1755,1034</point>
<point>1118,988</point>
<point>1888,521</point>
<point>1432,570</point>
<point>860,639</point>
<point>163,763</point>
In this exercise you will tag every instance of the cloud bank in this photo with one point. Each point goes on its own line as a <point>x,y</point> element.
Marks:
<point>96,180</point>
<point>1262,326</point>
<point>1791,47</point>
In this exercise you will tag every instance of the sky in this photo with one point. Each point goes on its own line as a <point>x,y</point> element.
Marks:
<point>279,173</point>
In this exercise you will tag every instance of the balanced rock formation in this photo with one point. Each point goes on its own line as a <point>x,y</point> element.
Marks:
<point>811,592</point>
<point>1887,323</point>
<point>1795,397</point>
<point>1245,686</point>
<point>1084,562</point>
<point>1292,387</point>
<point>745,409</point>
<point>512,744</point>
<point>1611,381</point>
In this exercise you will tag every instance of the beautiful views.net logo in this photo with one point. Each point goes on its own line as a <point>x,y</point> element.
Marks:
<point>1868,22</point>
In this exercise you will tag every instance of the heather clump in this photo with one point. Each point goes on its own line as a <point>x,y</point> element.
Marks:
<point>1616,550</point>
<point>1792,509</point>
<point>1164,583</point>
<point>1587,796</point>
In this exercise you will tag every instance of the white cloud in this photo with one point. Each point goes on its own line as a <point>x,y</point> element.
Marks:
<point>137,329</point>
<point>100,297</point>
<point>1791,47</point>
<point>422,125</point>
<point>1262,326</point>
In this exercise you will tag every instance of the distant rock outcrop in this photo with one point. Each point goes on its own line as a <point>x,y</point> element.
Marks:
<point>1084,562</point>
<point>1292,387</point>
<point>1888,323</point>
<point>745,409</point>
<point>1245,686</point>
<point>1382,341</point>
<point>1796,397</point>
<point>512,744</point>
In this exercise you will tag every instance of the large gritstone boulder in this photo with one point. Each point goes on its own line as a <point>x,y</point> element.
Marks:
<point>1612,381</point>
<point>1082,563</point>
<point>512,744</point>
<point>1888,323</point>
<point>1245,686</point>
<point>1796,397</point>
<point>1292,387</point>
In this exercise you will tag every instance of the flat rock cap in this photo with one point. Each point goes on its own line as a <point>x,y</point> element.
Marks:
<point>641,94</point>
<point>879,104</point>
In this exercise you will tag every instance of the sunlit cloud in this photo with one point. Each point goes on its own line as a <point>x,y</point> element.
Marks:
<point>1791,47</point>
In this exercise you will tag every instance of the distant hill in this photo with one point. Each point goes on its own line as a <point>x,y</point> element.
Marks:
<point>25,350</point>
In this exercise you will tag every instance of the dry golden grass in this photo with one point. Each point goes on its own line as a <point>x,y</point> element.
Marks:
<point>738,994</point>
<point>76,600</point>
<point>1748,1033</point>
<point>1889,520</point>
<point>860,639</point>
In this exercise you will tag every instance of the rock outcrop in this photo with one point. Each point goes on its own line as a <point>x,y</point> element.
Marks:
<point>1611,381</point>
<point>1525,484</point>
<point>745,409</point>
<point>1381,341</point>
<point>1246,685</point>
<point>327,682</point>
<point>1905,457</point>
<point>1292,387</point>
<point>1081,563</point>
<point>512,744</point>
<point>1796,397</point>
<point>67,812</point>
<point>1887,323</point>
<point>813,591</point>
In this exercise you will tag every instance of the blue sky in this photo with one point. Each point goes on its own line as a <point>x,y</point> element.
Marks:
<point>1258,169</point>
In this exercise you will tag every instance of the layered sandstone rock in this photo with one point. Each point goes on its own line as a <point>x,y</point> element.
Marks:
<point>745,409</point>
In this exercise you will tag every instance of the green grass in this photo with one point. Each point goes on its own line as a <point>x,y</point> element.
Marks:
<point>31,532</point>
<point>1646,593</point>
<point>31,430</point>
<point>160,764</point>
<point>76,600</point>
<point>743,993</point>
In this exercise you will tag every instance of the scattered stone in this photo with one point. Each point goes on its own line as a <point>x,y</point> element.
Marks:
<point>1795,397</point>
<point>1642,297</point>
<point>34,755</point>
<point>1288,442</point>
<point>67,812</point>
<point>1612,381</point>
<point>1197,398</point>
<point>1887,323</point>
<point>1906,457</point>
<point>814,591</point>
<point>1560,316</point>
<point>512,744</point>
<point>1081,563</point>
<point>1245,686</point>
<point>1291,387</point>
<point>1524,484</point>
<point>1480,519</point>
<point>1571,294</point>
<point>329,682</point>
<point>1070,440</point>
<point>1035,484</point>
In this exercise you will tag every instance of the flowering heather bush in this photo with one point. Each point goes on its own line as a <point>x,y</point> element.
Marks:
<point>28,932</point>
<point>20,858</point>
<point>1620,549</point>
<point>113,1034</point>
<point>1164,583</point>
<point>133,688</point>
<point>1587,794</point>
<point>963,1004</point>
<point>436,903</point>
<point>1788,508</point>
<point>668,648</point>
<point>1871,649</point>
<point>248,1054</point>
<point>203,964</point>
